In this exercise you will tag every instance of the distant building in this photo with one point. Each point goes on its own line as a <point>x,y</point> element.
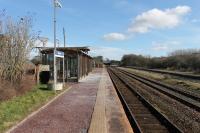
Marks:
<point>98,62</point>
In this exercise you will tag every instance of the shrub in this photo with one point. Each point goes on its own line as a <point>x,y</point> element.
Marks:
<point>182,60</point>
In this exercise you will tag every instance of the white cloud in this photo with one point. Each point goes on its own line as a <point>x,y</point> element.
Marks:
<point>158,19</point>
<point>152,19</point>
<point>109,52</point>
<point>114,37</point>
<point>165,46</point>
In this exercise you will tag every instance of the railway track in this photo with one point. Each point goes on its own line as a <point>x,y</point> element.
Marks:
<point>143,116</point>
<point>186,97</point>
<point>178,74</point>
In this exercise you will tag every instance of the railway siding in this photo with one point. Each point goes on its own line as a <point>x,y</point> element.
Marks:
<point>179,74</point>
<point>192,86</point>
<point>144,119</point>
<point>183,116</point>
<point>183,96</point>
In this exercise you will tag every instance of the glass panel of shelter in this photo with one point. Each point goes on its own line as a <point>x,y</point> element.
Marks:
<point>59,66</point>
<point>71,66</point>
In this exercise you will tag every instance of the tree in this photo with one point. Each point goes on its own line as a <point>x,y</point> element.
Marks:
<point>183,60</point>
<point>98,59</point>
<point>16,42</point>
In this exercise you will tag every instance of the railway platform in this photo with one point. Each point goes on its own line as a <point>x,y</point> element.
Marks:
<point>92,105</point>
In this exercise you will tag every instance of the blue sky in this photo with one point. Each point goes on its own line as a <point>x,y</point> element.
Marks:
<point>115,27</point>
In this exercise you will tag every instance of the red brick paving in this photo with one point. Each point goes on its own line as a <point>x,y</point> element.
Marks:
<point>70,113</point>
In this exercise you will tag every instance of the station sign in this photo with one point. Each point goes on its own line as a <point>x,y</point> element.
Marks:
<point>59,54</point>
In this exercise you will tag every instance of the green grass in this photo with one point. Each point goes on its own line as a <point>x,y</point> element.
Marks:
<point>14,110</point>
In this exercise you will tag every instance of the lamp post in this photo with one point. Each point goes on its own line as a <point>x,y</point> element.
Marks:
<point>55,5</point>
<point>64,58</point>
<point>64,36</point>
<point>54,51</point>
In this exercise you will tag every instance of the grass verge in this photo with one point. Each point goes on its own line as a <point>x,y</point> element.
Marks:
<point>16,109</point>
<point>184,83</point>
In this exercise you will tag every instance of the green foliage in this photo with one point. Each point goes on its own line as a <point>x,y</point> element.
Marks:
<point>13,110</point>
<point>98,59</point>
<point>134,60</point>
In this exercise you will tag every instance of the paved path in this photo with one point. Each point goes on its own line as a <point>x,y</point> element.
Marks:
<point>91,105</point>
<point>108,115</point>
<point>70,113</point>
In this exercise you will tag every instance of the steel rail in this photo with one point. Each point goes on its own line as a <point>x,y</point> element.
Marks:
<point>188,76</point>
<point>131,117</point>
<point>161,117</point>
<point>189,100</point>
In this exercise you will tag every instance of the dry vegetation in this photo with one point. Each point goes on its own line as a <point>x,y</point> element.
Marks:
<point>18,94</point>
<point>16,42</point>
<point>186,61</point>
<point>181,60</point>
<point>187,84</point>
<point>14,110</point>
<point>8,91</point>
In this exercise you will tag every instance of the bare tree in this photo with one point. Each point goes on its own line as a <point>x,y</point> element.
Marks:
<point>183,60</point>
<point>16,42</point>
